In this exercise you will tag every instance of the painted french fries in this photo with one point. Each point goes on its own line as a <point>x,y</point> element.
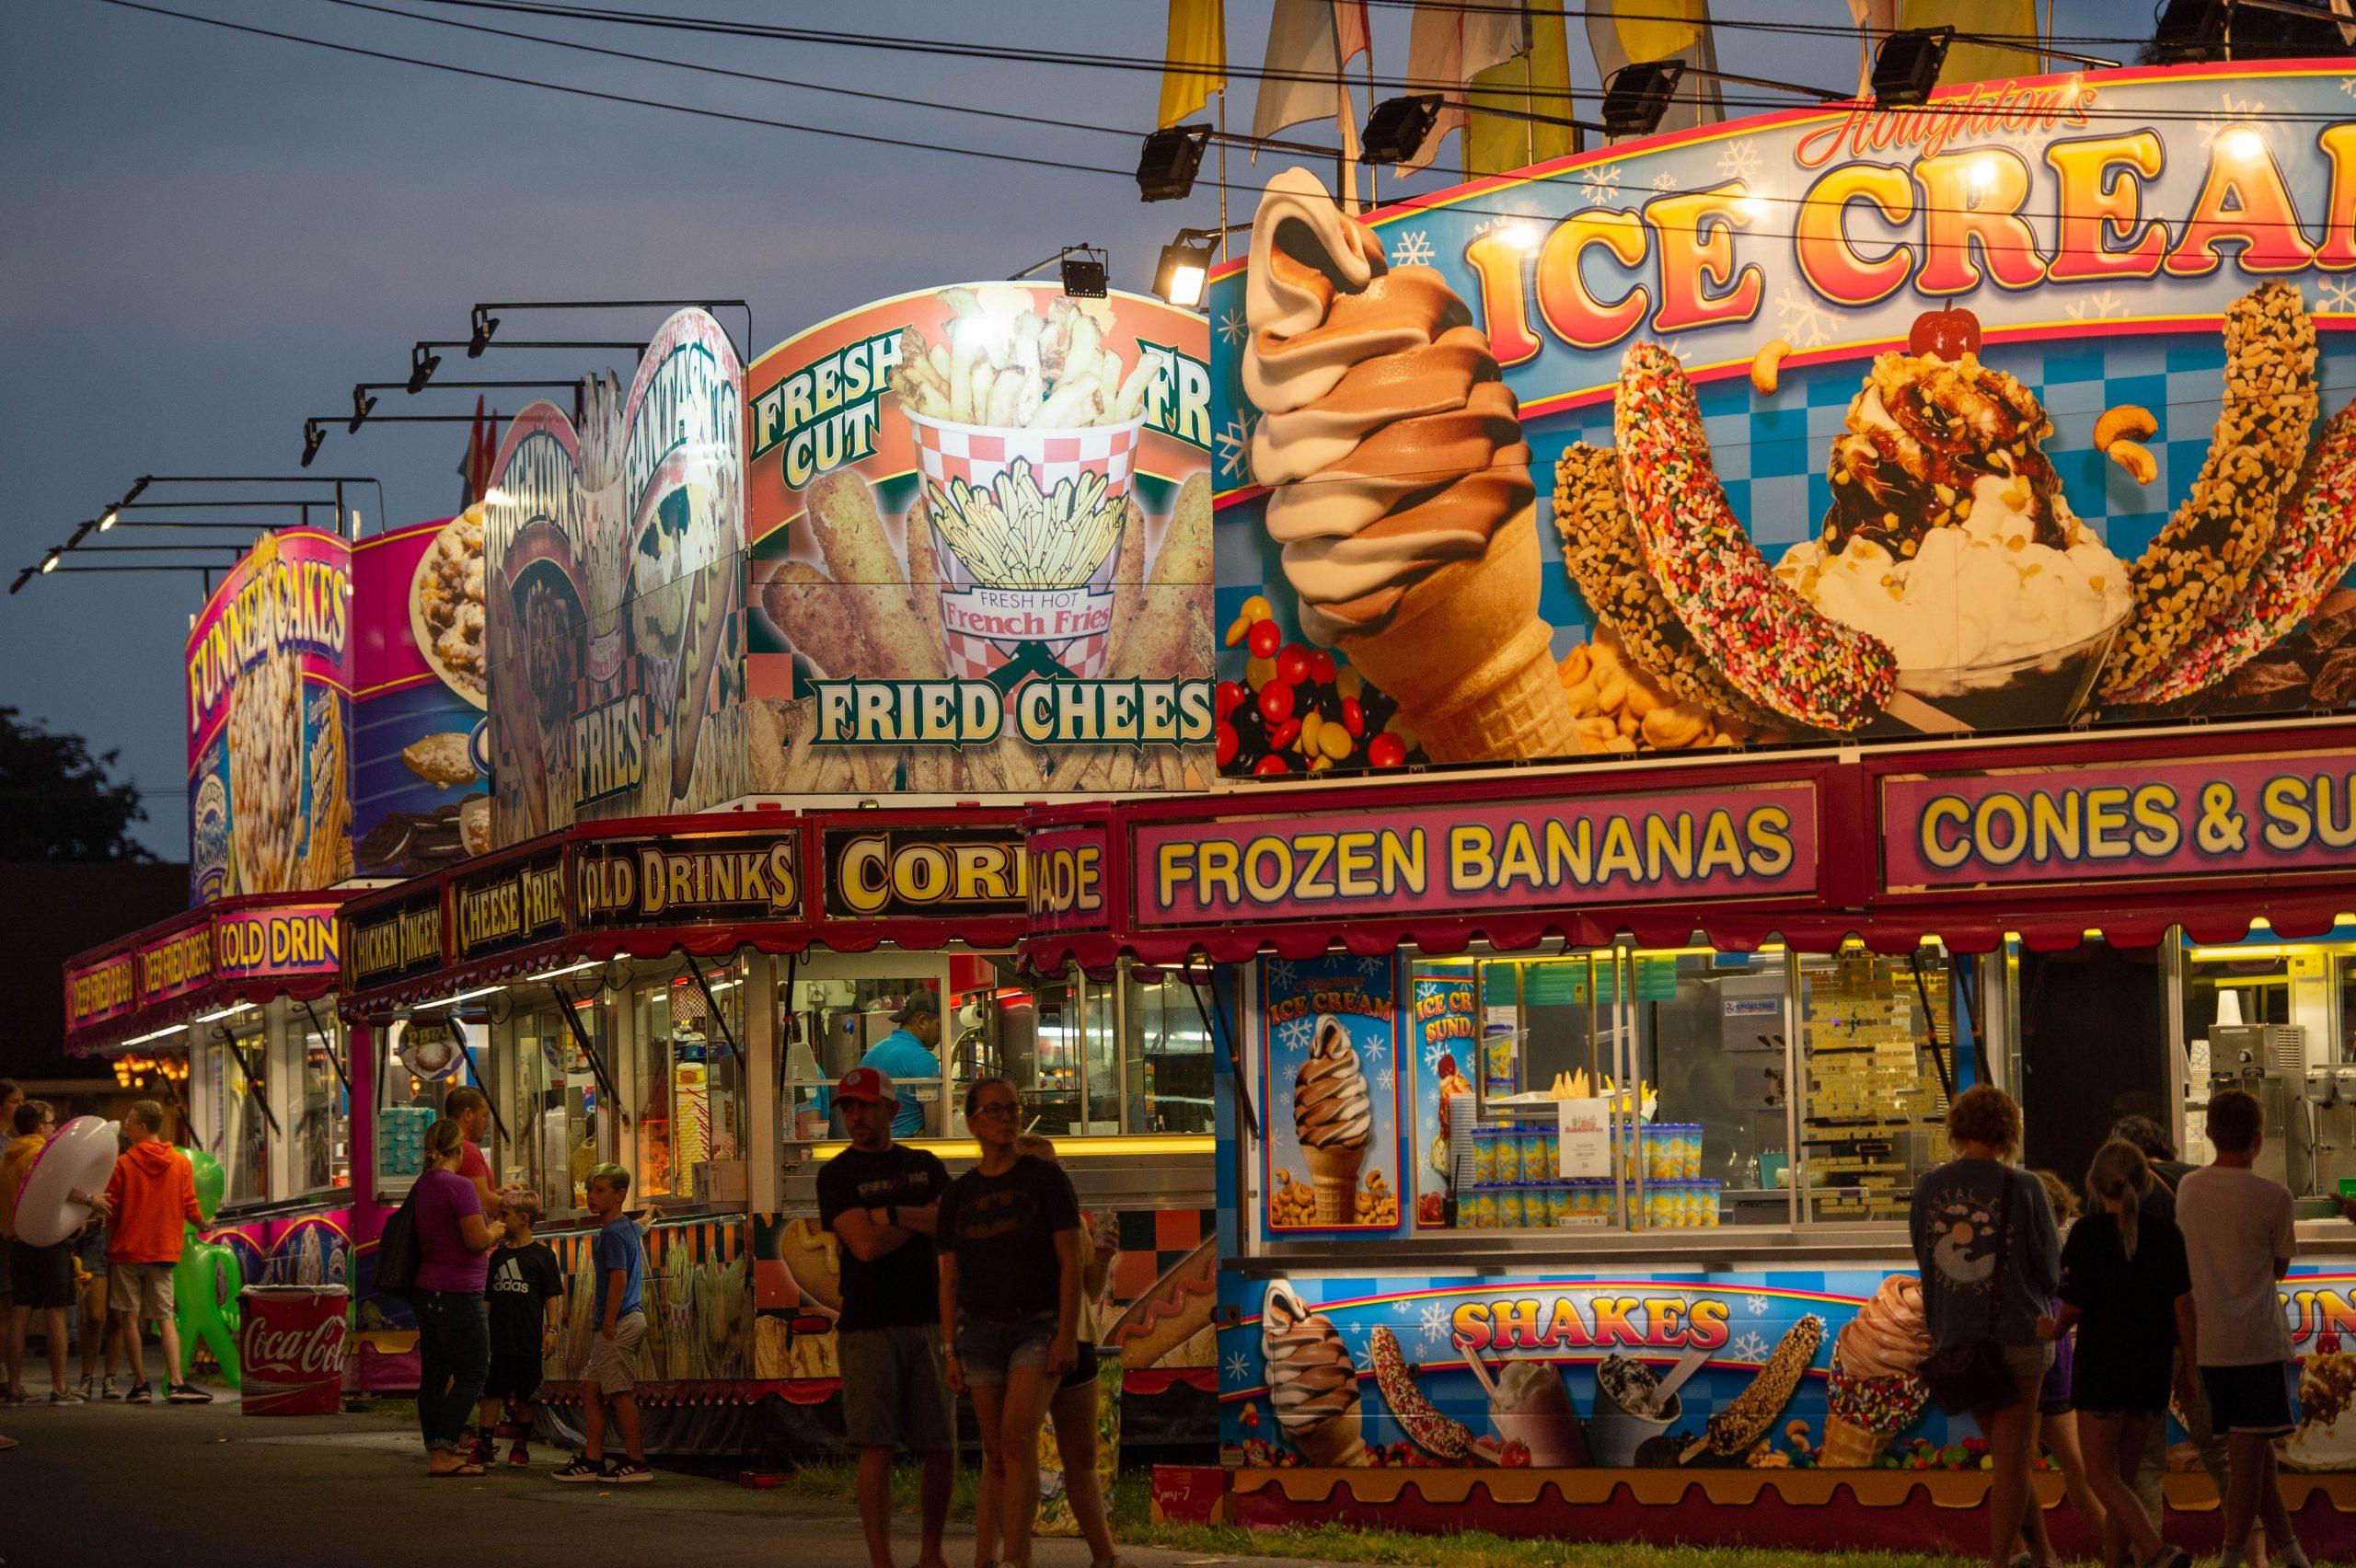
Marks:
<point>1006,366</point>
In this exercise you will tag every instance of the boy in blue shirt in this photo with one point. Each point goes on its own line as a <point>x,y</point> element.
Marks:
<point>612,1375</point>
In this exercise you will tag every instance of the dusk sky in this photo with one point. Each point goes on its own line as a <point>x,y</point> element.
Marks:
<point>210,234</point>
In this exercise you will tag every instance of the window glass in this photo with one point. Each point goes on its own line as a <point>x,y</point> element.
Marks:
<point>236,1083</point>
<point>320,1150</point>
<point>690,1081</point>
<point>558,1121</point>
<point>832,1023</point>
<point>420,1064</point>
<point>1876,1039</point>
<point>1168,1052</point>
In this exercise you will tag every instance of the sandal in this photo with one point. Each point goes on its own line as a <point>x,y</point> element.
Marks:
<point>455,1471</point>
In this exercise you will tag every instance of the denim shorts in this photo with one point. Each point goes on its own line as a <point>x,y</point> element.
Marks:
<point>990,1350</point>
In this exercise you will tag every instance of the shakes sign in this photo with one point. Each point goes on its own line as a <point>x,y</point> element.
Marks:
<point>1849,422</point>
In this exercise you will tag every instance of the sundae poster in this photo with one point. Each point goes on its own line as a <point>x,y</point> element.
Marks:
<point>421,746</point>
<point>268,684</point>
<point>1332,1093</point>
<point>1445,1030</point>
<point>1797,1369</point>
<point>2013,412</point>
<point>614,569</point>
<point>981,519</point>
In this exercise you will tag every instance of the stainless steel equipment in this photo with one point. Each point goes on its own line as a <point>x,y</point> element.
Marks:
<point>2269,1060</point>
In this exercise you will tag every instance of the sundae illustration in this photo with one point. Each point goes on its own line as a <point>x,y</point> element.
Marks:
<point>1333,1119</point>
<point>2325,1438</point>
<point>1875,1391</point>
<point>1402,493</point>
<point>1313,1383</point>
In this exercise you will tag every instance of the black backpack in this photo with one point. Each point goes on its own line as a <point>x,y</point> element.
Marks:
<point>398,1254</point>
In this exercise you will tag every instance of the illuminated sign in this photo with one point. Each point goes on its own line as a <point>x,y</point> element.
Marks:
<point>923,873</point>
<point>684,881</point>
<point>99,990</point>
<point>289,939</point>
<point>399,943</point>
<point>176,964</point>
<point>508,907</point>
<point>1067,868</point>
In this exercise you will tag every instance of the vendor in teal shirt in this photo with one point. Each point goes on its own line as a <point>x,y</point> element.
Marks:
<point>907,1054</point>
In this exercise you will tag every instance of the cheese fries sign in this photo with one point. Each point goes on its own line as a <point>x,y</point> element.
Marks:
<point>981,558</point>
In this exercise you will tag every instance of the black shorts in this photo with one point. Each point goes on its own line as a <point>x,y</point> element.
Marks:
<point>41,1277</point>
<point>2250,1399</point>
<point>1083,1370</point>
<point>514,1374</point>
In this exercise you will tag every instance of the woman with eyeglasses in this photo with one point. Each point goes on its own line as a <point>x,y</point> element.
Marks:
<point>1009,1232</point>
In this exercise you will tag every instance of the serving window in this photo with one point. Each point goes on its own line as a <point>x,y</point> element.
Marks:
<point>319,1102</point>
<point>556,1116</point>
<point>688,1027</point>
<point>233,1076</point>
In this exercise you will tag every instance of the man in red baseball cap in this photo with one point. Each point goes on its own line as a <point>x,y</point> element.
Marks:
<point>881,1199</point>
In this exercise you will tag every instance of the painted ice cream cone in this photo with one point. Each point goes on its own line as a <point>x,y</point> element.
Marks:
<point>1876,1390</point>
<point>1402,491</point>
<point>1312,1382</point>
<point>1847,1446</point>
<point>1334,1118</point>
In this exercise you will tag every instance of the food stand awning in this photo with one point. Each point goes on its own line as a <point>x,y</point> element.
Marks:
<point>775,882</point>
<point>246,950</point>
<point>2212,830</point>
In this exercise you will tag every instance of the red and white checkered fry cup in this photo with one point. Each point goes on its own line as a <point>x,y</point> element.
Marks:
<point>986,625</point>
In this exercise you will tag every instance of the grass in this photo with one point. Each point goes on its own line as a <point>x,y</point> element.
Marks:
<point>1133,1525</point>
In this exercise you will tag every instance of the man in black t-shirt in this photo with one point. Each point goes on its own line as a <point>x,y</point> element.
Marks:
<point>881,1201</point>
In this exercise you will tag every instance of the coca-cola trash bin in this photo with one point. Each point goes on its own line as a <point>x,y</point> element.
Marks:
<point>292,1347</point>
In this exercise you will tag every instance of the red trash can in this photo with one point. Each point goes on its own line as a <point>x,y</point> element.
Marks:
<point>291,1343</point>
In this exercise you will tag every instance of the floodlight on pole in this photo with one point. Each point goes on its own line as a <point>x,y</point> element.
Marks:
<point>1167,164</point>
<point>1397,128</point>
<point>1636,97</point>
<point>1906,66</point>
<point>1184,268</point>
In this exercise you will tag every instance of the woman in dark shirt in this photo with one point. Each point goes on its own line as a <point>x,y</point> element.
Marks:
<point>1009,1232</point>
<point>2127,1289</point>
<point>453,1330</point>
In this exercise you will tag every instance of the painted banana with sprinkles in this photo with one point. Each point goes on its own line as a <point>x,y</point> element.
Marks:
<point>1771,645</point>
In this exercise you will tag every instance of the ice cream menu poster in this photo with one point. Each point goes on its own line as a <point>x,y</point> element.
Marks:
<point>1445,1031</point>
<point>1331,1094</point>
<point>1876,424</point>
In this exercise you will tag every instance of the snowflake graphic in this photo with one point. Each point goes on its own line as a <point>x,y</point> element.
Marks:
<point>1433,1051</point>
<point>1805,322</point>
<point>1664,180</point>
<point>1755,1305</point>
<point>1235,450</point>
<point>1373,965</point>
<point>1387,1079</point>
<point>1238,1368</point>
<point>1414,250</point>
<point>1435,1320</point>
<point>2348,86</point>
<point>2096,307</point>
<point>1293,1035</point>
<point>1599,184</point>
<point>1748,1347</point>
<point>2338,297</point>
<point>1282,972</point>
<point>2231,111</point>
<point>1740,160</point>
<point>1402,1307</point>
<point>1232,328</point>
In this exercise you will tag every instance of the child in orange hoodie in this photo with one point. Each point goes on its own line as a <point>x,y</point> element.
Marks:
<point>151,1193</point>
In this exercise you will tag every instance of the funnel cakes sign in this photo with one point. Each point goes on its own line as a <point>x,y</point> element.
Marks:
<point>1999,414</point>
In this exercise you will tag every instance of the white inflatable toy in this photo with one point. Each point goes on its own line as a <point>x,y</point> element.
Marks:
<point>79,1158</point>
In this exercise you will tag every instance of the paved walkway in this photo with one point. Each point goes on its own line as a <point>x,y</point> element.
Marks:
<point>205,1485</point>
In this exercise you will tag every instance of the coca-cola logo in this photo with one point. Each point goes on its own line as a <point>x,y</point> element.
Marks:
<point>318,1349</point>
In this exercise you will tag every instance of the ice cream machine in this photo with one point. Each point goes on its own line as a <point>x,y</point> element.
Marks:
<point>2269,1061</point>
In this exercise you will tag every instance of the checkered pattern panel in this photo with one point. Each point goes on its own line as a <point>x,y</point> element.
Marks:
<point>1153,1241</point>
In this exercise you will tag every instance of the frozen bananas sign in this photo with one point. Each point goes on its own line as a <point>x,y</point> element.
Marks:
<point>1985,416</point>
<point>269,698</point>
<point>614,575</point>
<point>981,559</point>
<point>1329,1047</point>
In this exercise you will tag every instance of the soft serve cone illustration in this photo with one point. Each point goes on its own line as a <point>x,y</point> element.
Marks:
<point>1334,1118</point>
<point>1876,1390</point>
<point>1401,488</point>
<point>1312,1382</point>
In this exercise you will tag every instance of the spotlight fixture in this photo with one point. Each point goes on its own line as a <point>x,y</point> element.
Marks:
<point>361,404</point>
<point>2188,29</point>
<point>1397,127</point>
<point>422,362</point>
<point>106,519</point>
<point>1906,66</point>
<point>48,562</point>
<point>312,437</point>
<point>1637,96</point>
<point>1167,165</point>
<point>1085,269</point>
<point>481,326</point>
<point>1184,268</point>
<point>137,487</point>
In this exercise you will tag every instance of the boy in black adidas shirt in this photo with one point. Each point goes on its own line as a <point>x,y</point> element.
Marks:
<point>527,1294</point>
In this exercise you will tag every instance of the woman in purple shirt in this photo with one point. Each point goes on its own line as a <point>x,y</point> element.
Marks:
<point>454,1332</point>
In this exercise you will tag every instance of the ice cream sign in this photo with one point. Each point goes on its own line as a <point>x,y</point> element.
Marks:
<point>1332,1089</point>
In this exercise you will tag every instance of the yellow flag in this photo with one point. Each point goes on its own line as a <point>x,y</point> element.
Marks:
<point>1539,82</point>
<point>1195,65</point>
<point>1979,62</point>
<point>1660,29</point>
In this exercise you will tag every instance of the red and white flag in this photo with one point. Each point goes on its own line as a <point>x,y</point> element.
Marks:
<point>1446,46</point>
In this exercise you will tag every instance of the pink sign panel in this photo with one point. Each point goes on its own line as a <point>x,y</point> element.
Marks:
<point>292,938</point>
<point>177,963</point>
<point>1066,879</point>
<point>2111,821</point>
<point>1663,846</point>
<point>99,990</point>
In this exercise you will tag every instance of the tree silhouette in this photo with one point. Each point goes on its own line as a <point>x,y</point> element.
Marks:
<point>57,801</point>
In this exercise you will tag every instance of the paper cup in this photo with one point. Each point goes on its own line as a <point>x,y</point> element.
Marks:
<point>988,623</point>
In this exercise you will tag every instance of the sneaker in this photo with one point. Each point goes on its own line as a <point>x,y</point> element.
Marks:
<point>138,1394</point>
<point>630,1473</point>
<point>61,1397</point>
<point>105,1391</point>
<point>482,1452</point>
<point>519,1457</point>
<point>188,1393</point>
<point>581,1469</point>
<point>89,1389</point>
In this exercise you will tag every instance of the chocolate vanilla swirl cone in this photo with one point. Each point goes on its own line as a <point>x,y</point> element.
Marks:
<point>1334,1117</point>
<point>1400,480</point>
<point>1313,1383</point>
